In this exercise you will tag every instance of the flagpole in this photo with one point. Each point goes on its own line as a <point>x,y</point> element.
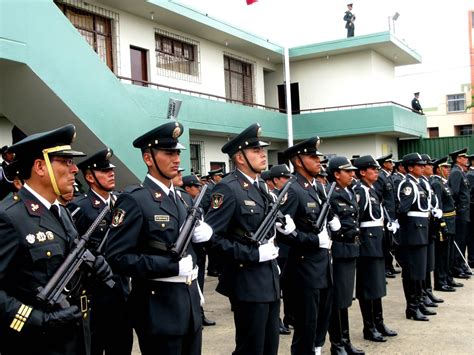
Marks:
<point>289,116</point>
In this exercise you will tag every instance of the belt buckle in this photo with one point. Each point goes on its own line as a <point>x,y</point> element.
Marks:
<point>84,305</point>
<point>189,280</point>
<point>356,239</point>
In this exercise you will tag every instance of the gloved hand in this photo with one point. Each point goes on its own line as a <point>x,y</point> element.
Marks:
<point>61,317</point>
<point>101,269</point>
<point>289,225</point>
<point>324,241</point>
<point>395,223</point>
<point>185,266</point>
<point>437,213</point>
<point>267,251</point>
<point>392,227</point>
<point>202,232</point>
<point>335,224</point>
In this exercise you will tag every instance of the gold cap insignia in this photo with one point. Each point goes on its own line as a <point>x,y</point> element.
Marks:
<point>176,132</point>
<point>108,155</point>
<point>259,131</point>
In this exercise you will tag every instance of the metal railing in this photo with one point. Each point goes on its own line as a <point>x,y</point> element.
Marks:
<point>262,107</point>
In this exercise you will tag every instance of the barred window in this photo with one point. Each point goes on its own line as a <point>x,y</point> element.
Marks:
<point>197,156</point>
<point>456,103</point>
<point>176,56</point>
<point>238,79</point>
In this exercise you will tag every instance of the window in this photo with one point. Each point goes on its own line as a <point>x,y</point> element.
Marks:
<point>176,56</point>
<point>433,132</point>
<point>456,103</point>
<point>238,80</point>
<point>196,150</point>
<point>464,130</point>
<point>96,30</point>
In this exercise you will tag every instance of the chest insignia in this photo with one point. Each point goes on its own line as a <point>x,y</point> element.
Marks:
<point>217,200</point>
<point>118,217</point>
<point>34,207</point>
<point>249,203</point>
<point>30,238</point>
<point>162,218</point>
<point>407,190</point>
<point>41,237</point>
<point>311,204</point>
<point>245,185</point>
<point>306,185</point>
<point>49,235</point>
<point>96,202</point>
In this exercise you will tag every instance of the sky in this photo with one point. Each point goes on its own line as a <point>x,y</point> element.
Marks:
<point>437,30</point>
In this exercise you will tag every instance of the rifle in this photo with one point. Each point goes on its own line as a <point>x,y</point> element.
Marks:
<point>273,216</point>
<point>52,293</point>
<point>185,235</point>
<point>318,225</point>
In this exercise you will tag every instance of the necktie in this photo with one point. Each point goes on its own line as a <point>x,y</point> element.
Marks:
<point>255,184</point>
<point>172,196</point>
<point>55,211</point>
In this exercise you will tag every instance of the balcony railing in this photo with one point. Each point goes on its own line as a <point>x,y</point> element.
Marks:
<point>262,107</point>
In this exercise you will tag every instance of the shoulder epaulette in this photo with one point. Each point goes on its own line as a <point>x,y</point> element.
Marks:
<point>132,188</point>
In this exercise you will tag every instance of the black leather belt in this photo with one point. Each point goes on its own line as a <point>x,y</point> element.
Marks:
<point>346,239</point>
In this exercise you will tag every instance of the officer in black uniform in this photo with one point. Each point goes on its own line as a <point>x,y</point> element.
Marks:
<point>386,191</point>
<point>470,238</point>
<point>111,328</point>
<point>307,279</point>
<point>446,229</point>
<point>37,235</point>
<point>398,175</point>
<point>6,182</point>
<point>345,251</point>
<point>414,214</point>
<point>370,286</point>
<point>267,177</point>
<point>460,188</point>
<point>192,188</point>
<point>349,17</point>
<point>279,175</point>
<point>415,104</point>
<point>250,275</point>
<point>165,297</point>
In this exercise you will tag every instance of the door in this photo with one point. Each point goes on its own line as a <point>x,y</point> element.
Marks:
<point>138,63</point>
<point>295,98</point>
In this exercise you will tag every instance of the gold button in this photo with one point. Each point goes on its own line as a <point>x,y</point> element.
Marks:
<point>48,253</point>
<point>241,265</point>
<point>152,292</point>
<point>251,211</point>
<point>84,315</point>
<point>163,225</point>
<point>302,256</point>
<point>84,292</point>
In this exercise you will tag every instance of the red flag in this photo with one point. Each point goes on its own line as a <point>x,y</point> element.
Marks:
<point>250,2</point>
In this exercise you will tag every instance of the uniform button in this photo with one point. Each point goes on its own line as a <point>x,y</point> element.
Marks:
<point>84,315</point>
<point>353,214</point>
<point>302,256</point>
<point>162,225</point>
<point>48,253</point>
<point>241,265</point>
<point>84,292</point>
<point>152,292</point>
<point>251,211</point>
<point>370,234</point>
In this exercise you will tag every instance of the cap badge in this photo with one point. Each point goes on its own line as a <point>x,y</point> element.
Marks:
<point>73,137</point>
<point>259,131</point>
<point>176,132</point>
<point>109,155</point>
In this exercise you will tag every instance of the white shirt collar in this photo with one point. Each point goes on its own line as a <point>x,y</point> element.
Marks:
<point>414,178</point>
<point>247,177</point>
<point>106,201</point>
<point>165,188</point>
<point>41,198</point>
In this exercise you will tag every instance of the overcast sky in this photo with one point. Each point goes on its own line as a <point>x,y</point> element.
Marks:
<point>437,30</point>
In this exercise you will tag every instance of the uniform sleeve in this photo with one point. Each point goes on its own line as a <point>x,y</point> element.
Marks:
<point>379,186</point>
<point>302,238</point>
<point>218,217</point>
<point>438,192</point>
<point>454,182</point>
<point>10,306</point>
<point>122,246</point>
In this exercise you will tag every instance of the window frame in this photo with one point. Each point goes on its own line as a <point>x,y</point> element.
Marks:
<point>455,100</point>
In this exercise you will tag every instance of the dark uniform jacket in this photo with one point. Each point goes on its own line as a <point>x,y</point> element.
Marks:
<point>370,210</point>
<point>445,200</point>
<point>470,179</point>
<point>237,209</point>
<point>206,199</point>
<point>345,244</point>
<point>413,198</point>
<point>415,105</point>
<point>461,192</point>
<point>33,245</point>
<point>348,18</point>
<point>308,265</point>
<point>386,191</point>
<point>144,226</point>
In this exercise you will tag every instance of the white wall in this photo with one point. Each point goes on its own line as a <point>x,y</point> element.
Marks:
<point>377,145</point>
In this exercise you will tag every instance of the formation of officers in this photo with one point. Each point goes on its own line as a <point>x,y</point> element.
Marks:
<point>340,229</point>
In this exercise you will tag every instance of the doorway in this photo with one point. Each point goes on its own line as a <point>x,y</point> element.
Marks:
<point>295,98</point>
<point>139,66</point>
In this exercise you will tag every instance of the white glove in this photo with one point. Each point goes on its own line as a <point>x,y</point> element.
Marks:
<point>392,227</point>
<point>185,266</point>
<point>335,224</point>
<point>267,251</point>
<point>324,241</point>
<point>202,232</point>
<point>289,225</point>
<point>437,213</point>
<point>395,222</point>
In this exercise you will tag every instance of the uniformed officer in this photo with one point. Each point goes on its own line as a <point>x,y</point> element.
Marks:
<point>470,237</point>
<point>460,188</point>
<point>307,279</point>
<point>192,188</point>
<point>279,175</point>
<point>165,297</point>
<point>386,191</point>
<point>370,286</point>
<point>37,235</point>
<point>446,229</point>
<point>111,328</point>
<point>250,275</point>
<point>349,17</point>
<point>266,176</point>
<point>6,182</point>
<point>414,213</point>
<point>430,299</point>
<point>398,175</point>
<point>345,250</point>
<point>415,104</point>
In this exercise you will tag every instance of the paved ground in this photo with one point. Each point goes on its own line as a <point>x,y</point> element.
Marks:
<point>451,331</point>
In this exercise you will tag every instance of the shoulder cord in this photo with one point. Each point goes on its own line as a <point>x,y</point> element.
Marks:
<point>369,204</point>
